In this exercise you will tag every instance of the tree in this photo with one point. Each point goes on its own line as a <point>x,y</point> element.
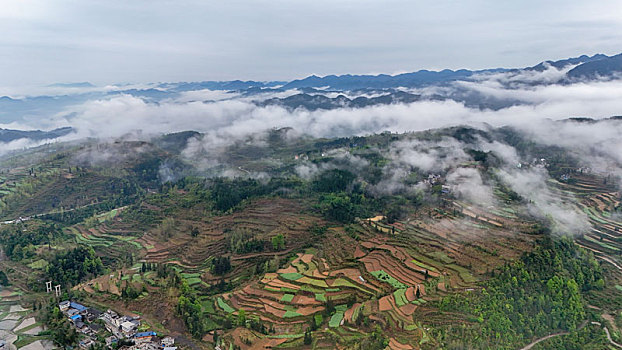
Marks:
<point>338,207</point>
<point>278,242</point>
<point>335,180</point>
<point>308,339</point>
<point>4,281</point>
<point>194,232</point>
<point>74,266</point>
<point>221,265</point>
<point>241,317</point>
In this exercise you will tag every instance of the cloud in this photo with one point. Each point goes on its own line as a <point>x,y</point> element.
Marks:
<point>226,118</point>
<point>468,184</point>
<point>338,159</point>
<point>429,156</point>
<point>21,144</point>
<point>532,185</point>
<point>122,114</point>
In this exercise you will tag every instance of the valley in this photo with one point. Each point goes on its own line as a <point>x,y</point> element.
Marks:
<point>290,262</point>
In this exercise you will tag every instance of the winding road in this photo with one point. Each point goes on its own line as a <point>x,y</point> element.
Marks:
<point>532,344</point>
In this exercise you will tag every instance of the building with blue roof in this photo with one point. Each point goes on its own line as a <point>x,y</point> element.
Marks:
<point>145,334</point>
<point>75,317</point>
<point>77,306</point>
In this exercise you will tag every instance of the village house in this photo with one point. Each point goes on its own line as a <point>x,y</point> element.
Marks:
<point>111,340</point>
<point>72,312</point>
<point>80,326</point>
<point>128,328</point>
<point>83,319</point>
<point>64,305</point>
<point>167,342</point>
<point>143,337</point>
<point>92,314</point>
<point>81,308</point>
<point>86,343</point>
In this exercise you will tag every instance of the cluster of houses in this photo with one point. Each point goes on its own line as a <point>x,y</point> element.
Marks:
<point>119,326</point>
<point>432,179</point>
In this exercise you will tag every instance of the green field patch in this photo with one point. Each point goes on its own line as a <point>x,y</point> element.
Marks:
<point>320,296</point>
<point>618,287</point>
<point>313,282</point>
<point>344,282</point>
<point>290,314</point>
<point>137,278</point>
<point>385,277</point>
<point>287,290</point>
<point>602,244</point>
<point>332,289</point>
<point>287,298</point>
<point>592,215</point>
<point>292,276</point>
<point>223,305</point>
<point>335,320</point>
<point>464,274</point>
<point>442,257</point>
<point>400,297</point>
<point>207,305</point>
<point>286,336</point>
<point>424,266</point>
<point>318,318</point>
<point>23,340</point>
<point>341,308</point>
<point>311,289</point>
<point>26,329</point>
<point>38,264</point>
<point>194,280</point>
<point>191,275</point>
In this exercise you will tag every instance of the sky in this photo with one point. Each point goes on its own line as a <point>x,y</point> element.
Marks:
<point>115,41</point>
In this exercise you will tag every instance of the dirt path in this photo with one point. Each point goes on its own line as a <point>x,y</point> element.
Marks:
<point>532,344</point>
<point>611,340</point>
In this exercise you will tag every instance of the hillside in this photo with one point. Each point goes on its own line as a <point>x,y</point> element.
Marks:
<point>423,240</point>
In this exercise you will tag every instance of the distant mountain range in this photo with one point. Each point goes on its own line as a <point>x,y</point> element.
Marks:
<point>328,92</point>
<point>587,67</point>
<point>315,102</point>
<point>8,135</point>
<point>603,67</point>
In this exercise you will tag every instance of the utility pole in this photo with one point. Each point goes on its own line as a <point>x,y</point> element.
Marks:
<point>57,290</point>
<point>48,286</point>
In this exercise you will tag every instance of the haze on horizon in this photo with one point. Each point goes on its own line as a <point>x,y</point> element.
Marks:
<point>112,41</point>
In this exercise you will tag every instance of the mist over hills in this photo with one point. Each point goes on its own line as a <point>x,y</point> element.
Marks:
<point>7,135</point>
<point>363,204</point>
<point>402,102</point>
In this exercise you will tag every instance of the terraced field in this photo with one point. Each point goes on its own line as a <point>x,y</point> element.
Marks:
<point>264,218</point>
<point>598,200</point>
<point>109,239</point>
<point>390,274</point>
